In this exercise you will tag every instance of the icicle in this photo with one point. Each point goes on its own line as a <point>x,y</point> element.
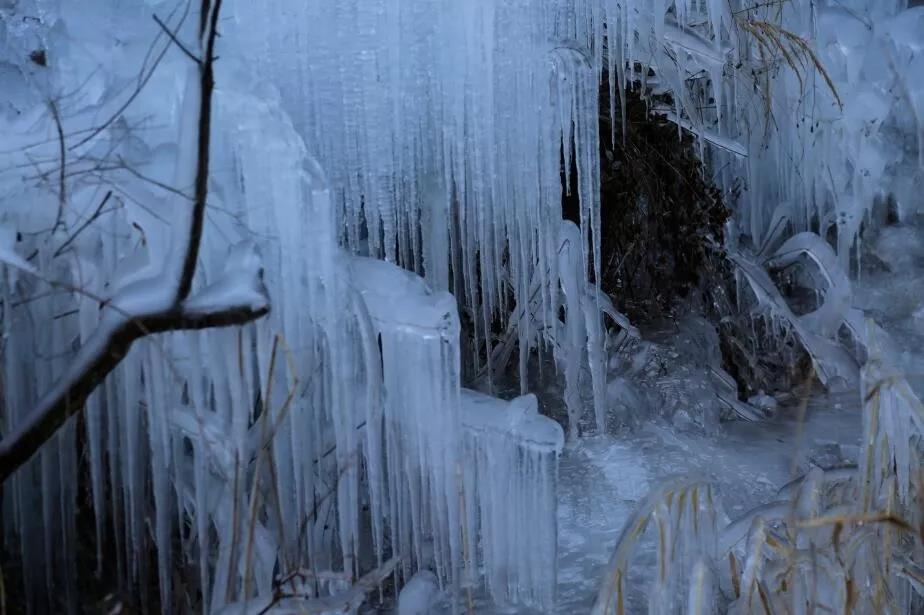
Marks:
<point>157,399</point>
<point>570,346</point>
<point>200,464</point>
<point>88,315</point>
<point>420,373</point>
<point>132,470</point>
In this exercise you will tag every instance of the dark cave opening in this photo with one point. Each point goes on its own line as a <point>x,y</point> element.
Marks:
<point>662,220</point>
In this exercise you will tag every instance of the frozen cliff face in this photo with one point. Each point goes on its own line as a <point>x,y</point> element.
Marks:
<point>353,381</point>
<point>454,117</point>
<point>458,118</point>
<point>441,128</point>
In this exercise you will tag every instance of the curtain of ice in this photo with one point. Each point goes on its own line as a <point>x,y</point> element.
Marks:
<point>442,127</point>
<point>512,511</point>
<point>327,434</point>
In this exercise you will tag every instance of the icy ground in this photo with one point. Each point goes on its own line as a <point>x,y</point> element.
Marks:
<point>602,479</point>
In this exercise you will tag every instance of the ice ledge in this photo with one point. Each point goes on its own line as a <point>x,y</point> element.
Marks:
<point>518,418</point>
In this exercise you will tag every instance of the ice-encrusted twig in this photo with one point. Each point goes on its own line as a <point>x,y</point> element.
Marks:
<point>153,306</point>
<point>229,302</point>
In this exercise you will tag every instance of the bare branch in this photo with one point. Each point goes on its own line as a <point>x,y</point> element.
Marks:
<point>62,151</point>
<point>95,360</point>
<point>86,223</point>
<point>343,602</point>
<point>176,41</point>
<point>205,125</point>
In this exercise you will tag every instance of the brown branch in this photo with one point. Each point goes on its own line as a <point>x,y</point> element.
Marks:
<point>62,152</point>
<point>101,358</point>
<point>187,320</point>
<point>87,222</point>
<point>113,339</point>
<point>176,41</point>
<point>343,602</point>
<point>205,125</point>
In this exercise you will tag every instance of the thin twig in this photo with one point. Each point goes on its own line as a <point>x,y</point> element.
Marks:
<point>62,152</point>
<point>142,82</point>
<point>255,488</point>
<point>173,38</point>
<point>123,166</point>
<point>87,222</point>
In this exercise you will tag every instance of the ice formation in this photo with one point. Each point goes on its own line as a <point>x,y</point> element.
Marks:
<point>346,398</point>
<point>510,509</point>
<point>470,89</point>
<point>335,433</point>
<point>420,594</point>
<point>452,116</point>
<point>452,451</point>
<point>825,171</point>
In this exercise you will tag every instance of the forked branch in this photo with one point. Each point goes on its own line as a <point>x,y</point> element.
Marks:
<point>121,326</point>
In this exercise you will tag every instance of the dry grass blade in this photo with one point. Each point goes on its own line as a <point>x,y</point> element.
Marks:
<point>886,518</point>
<point>795,50</point>
<point>255,488</point>
<point>667,506</point>
<point>733,569</point>
<point>810,53</point>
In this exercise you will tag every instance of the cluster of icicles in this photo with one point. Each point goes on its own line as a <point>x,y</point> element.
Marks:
<point>332,435</point>
<point>447,123</point>
<point>335,434</point>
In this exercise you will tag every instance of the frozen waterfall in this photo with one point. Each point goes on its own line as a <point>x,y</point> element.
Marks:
<point>391,174</point>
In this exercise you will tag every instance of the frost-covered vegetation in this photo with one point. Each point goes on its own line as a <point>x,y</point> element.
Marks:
<point>335,306</point>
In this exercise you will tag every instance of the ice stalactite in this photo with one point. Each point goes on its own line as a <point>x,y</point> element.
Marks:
<point>310,381</point>
<point>570,347</point>
<point>346,396</point>
<point>418,335</point>
<point>42,500</point>
<point>452,117</point>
